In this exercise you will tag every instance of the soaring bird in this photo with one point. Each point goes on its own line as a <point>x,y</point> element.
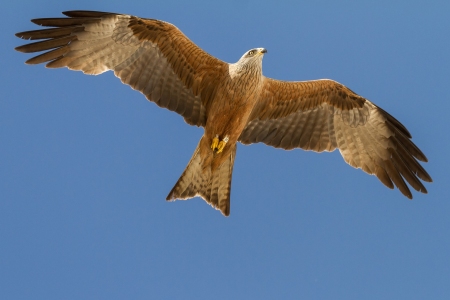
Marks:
<point>233,102</point>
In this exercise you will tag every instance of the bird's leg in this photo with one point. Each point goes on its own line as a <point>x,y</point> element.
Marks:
<point>218,146</point>
<point>215,143</point>
<point>222,144</point>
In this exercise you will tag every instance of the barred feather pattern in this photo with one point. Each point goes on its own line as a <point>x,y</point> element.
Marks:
<point>213,185</point>
<point>323,115</point>
<point>94,42</point>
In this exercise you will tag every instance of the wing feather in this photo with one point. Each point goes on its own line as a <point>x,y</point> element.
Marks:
<point>63,22</point>
<point>152,56</point>
<point>323,115</point>
<point>48,56</point>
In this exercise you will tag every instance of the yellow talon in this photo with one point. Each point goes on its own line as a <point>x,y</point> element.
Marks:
<point>221,146</point>
<point>215,143</point>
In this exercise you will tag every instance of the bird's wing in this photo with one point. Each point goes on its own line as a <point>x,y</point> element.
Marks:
<point>152,56</point>
<point>323,115</point>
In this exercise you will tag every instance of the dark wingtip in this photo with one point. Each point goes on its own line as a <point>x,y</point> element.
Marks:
<point>86,13</point>
<point>68,13</point>
<point>19,48</point>
<point>36,21</point>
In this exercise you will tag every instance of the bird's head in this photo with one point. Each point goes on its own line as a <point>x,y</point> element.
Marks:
<point>250,62</point>
<point>253,55</point>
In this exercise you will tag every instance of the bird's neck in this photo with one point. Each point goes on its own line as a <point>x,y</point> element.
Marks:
<point>239,70</point>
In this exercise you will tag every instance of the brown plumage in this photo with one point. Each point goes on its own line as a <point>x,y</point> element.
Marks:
<point>233,102</point>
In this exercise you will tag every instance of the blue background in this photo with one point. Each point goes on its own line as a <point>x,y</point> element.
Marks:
<point>86,163</point>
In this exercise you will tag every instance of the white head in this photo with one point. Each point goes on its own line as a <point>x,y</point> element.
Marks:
<point>252,55</point>
<point>250,62</point>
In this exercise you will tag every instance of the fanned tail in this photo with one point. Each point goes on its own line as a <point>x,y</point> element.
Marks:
<point>200,179</point>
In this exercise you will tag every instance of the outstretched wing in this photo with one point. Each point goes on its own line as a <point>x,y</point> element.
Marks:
<point>323,115</point>
<point>152,56</point>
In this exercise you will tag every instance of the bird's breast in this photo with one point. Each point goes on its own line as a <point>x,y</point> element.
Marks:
<point>233,102</point>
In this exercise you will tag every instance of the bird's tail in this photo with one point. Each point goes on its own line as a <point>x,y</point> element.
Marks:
<point>200,178</point>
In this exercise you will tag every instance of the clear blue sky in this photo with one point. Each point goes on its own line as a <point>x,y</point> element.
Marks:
<point>86,163</point>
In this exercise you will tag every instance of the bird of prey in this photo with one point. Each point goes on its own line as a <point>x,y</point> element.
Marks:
<point>232,102</point>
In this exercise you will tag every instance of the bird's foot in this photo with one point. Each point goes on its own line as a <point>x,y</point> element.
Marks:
<point>219,146</point>
<point>222,144</point>
<point>215,143</point>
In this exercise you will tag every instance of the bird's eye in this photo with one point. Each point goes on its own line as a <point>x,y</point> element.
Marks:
<point>251,52</point>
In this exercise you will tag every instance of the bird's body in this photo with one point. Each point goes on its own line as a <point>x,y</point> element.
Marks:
<point>233,102</point>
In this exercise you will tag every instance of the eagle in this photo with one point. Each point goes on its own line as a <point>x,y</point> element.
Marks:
<point>233,102</point>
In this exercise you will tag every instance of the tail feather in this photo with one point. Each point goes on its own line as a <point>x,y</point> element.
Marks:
<point>214,186</point>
